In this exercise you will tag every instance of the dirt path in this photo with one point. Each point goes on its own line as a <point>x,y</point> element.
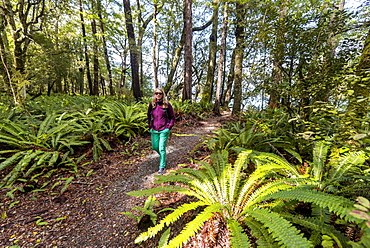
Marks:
<point>88,213</point>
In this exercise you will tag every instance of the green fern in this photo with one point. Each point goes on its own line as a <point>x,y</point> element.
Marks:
<point>281,229</point>
<point>238,237</point>
<point>319,226</point>
<point>194,226</point>
<point>171,218</point>
<point>253,201</point>
<point>336,204</point>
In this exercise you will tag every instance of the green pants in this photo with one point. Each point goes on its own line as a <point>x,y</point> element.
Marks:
<point>159,142</point>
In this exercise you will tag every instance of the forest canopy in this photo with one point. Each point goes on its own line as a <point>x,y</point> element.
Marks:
<point>242,53</point>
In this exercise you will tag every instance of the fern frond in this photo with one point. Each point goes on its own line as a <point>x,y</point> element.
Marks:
<point>175,178</point>
<point>281,229</point>
<point>263,192</point>
<point>237,236</point>
<point>336,204</point>
<point>13,175</point>
<point>261,233</point>
<point>201,184</point>
<point>11,160</point>
<point>320,152</point>
<point>318,225</point>
<point>194,226</point>
<point>160,189</point>
<point>172,217</point>
<point>273,162</point>
<point>346,163</point>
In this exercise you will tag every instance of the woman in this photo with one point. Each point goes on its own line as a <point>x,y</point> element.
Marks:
<point>161,119</point>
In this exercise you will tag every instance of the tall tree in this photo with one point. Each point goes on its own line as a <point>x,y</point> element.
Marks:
<point>86,53</point>
<point>105,49</point>
<point>96,66</point>
<point>188,18</point>
<point>209,87</point>
<point>216,108</point>
<point>29,14</point>
<point>239,55</point>
<point>133,51</point>
<point>155,48</point>
<point>278,58</point>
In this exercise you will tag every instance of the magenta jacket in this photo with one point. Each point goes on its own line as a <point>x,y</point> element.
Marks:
<point>160,118</point>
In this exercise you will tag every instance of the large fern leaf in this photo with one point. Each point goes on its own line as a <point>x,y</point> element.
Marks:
<point>281,229</point>
<point>238,237</point>
<point>172,217</point>
<point>194,226</point>
<point>317,225</point>
<point>336,204</point>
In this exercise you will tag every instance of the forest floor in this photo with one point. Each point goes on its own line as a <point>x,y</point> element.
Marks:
<point>89,212</point>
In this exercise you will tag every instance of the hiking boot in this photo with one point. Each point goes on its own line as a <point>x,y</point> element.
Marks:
<point>161,171</point>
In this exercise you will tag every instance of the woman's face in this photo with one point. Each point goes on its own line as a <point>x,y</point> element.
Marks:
<point>158,95</point>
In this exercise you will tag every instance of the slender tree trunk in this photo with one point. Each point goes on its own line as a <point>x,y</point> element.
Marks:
<point>216,108</point>
<point>133,52</point>
<point>239,55</point>
<point>4,52</point>
<point>87,62</point>
<point>188,56</point>
<point>175,62</point>
<point>96,78</point>
<point>277,74</point>
<point>154,51</point>
<point>177,55</point>
<point>106,56</point>
<point>208,89</point>
<point>226,96</point>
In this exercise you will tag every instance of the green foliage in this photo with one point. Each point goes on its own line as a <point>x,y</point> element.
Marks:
<point>191,108</point>
<point>261,131</point>
<point>147,209</point>
<point>325,171</point>
<point>44,134</point>
<point>253,201</point>
<point>362,213</point>
<point>126,120</point>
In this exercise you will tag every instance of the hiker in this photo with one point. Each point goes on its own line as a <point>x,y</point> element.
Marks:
<point>161,119</point>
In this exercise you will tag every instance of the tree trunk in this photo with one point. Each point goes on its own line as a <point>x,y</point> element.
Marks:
<point>29,13</point>
<point>96,78</point>
<point>216,108</point>
<point>239,55</point>
<point>226,96</point>
<point>5,66</point>
<point>133,52</point>
<point>175,62</point>
<point>106,56</point>
<point>187,92</point>
<point>277,74</point>
<point>154,52</point>
<point>87,62</point>
<point>208,89</point>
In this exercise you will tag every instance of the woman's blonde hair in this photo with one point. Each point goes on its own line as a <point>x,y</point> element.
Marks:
<point>164,98</point>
